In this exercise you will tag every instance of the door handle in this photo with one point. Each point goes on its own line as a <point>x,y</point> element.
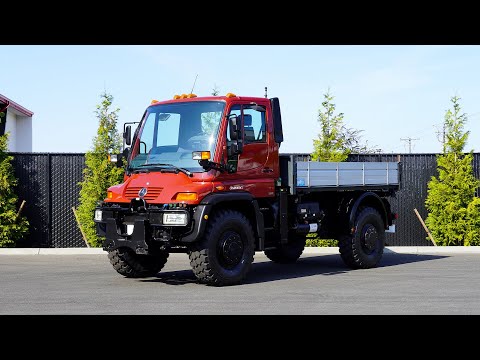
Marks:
<point>267,170</point>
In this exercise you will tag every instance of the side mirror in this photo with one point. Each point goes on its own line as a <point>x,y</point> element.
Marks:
<point>235,148</point>
<point>125,153</point>
<point>234,126</point>
<point>127,135</point>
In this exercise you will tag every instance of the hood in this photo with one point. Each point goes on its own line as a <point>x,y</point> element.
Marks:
<point>161,188</point>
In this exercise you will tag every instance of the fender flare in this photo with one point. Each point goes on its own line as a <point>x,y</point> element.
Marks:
<point>209,202</point>
<point>379,205</point>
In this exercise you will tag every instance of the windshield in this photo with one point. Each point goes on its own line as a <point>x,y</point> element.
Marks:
<point>171,132</point>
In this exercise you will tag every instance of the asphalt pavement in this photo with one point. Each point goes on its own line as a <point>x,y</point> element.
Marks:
<point>316,284</point>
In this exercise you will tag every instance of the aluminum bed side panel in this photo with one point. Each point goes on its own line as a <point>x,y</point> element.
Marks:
<point>331,174</point>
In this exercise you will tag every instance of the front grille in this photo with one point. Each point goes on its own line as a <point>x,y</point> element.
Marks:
<point>152,193</point>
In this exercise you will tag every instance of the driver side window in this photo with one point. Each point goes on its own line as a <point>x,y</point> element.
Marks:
<point>253,126</point>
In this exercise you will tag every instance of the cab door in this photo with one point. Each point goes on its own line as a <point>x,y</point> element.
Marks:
<point>253,166</point>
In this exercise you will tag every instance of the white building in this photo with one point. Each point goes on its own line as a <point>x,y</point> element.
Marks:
<point>18,123</point>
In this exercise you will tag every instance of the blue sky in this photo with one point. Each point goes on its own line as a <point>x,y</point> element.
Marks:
<point>390,92</point>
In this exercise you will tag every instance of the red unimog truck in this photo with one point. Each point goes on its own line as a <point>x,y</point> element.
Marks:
<point>204,176</point>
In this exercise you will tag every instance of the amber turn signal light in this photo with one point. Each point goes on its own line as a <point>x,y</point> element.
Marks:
<point>201,155</point>
<point>185,196</point>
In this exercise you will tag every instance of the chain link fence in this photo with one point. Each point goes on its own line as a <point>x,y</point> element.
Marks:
<point>49,184</point>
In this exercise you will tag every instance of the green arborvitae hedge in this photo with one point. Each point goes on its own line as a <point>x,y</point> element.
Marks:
<point>99,173</point>
<point>314,241</point>
<point>11,228</point>
<point>454,211</point>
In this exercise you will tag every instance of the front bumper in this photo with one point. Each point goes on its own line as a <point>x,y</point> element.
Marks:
<point>149,232</point>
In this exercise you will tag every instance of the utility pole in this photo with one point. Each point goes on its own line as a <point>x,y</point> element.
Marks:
<point>441,137</point>
<point>409,139</point>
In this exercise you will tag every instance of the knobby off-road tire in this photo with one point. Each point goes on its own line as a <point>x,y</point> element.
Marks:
<point>287,253</point>
<point>131,265</point>
<point>225,253</point>
<point>364,248</point>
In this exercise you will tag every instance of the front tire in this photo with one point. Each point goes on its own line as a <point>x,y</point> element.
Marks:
<point>225,253</point>
<point>364,248</point>
<point>287,253</point>
<point>131,265</point>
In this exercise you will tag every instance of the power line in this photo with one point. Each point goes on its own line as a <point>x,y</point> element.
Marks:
<point>474,114</point>
<point>409,139</point>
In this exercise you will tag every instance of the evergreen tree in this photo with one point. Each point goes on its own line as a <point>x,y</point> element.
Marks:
<point>335,140</point>
<point>330,145</point>
<point>11,228</point>
<point>454,211</point>
<point>99,173</point>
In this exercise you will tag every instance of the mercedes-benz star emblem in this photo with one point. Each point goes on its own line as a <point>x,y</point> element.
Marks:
<point>142,192</point>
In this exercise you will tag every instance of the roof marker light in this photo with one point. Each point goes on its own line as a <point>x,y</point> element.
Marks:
<point>229,95</point>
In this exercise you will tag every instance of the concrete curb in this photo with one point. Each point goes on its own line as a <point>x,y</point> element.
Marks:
<point>407,250</point>
<point>309,250</point>
<point>52,251</point>
<point>433,249</point>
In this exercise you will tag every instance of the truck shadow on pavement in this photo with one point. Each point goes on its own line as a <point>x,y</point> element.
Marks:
<point>322,265</point>
<point>268,271</point>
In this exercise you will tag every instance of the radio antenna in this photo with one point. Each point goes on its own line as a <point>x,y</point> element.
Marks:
<point>194,84</point>
<point>265,92</point>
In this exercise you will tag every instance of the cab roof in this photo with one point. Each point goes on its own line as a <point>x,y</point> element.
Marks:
<point>210,98</point>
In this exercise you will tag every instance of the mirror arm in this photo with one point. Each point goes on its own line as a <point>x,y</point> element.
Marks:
<point>208,165</point>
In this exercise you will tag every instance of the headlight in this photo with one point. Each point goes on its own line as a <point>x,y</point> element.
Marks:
<point>98,215</point>
<point>174,219</point>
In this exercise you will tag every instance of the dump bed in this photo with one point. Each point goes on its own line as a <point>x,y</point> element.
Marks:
<point>321,176</point>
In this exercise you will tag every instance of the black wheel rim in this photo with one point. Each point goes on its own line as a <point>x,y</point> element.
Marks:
<point>230,249</point>
<point>369,239</point>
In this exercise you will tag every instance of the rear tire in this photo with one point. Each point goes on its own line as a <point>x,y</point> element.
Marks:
<point>287,253</point>
<point>131,265</point>
<point>225,253</point>
<point>364,248</point>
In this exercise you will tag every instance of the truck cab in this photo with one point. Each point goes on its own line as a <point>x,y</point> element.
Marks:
<point>204,176</point>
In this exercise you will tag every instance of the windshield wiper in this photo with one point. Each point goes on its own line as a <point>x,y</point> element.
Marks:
<point>138,170</point>
<point>177,169</point>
